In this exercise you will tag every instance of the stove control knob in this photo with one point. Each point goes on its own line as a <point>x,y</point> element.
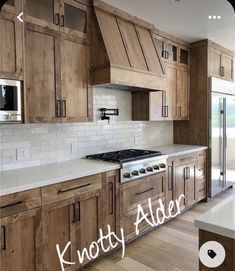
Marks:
<point>156,167</point>
<point>135,173</point>
<point>142,171</point>
<point>149,169</point>
<point>162,165</point>
<point>127,175</point>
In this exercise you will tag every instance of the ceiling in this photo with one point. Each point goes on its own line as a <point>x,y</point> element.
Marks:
<point>186,19</point>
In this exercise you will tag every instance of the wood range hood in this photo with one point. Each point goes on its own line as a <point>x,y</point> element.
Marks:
<point>124,55</point>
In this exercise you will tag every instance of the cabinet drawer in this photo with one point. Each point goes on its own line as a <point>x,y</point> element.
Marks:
<point>18,202</point>
<point>128,220</point>
<point>201,155</point>
<point>71,189</point>
<point>185,159</point>
<point>140,191</point>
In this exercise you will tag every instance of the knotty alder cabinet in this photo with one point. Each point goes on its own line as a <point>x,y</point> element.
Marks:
<point>57,80</point>
<point>187,175</point>
<point>169,104</point>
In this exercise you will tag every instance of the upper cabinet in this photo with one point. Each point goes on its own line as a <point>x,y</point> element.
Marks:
<point>11,44</point>
<point>57,79</point>
<point>220,63</point>
<point>13,6</point>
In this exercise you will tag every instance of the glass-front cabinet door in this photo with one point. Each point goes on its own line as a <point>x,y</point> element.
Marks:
<point>73,17</point>
<point>183,55</point>
<point>43,13</point>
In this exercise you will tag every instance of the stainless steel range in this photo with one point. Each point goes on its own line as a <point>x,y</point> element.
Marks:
<point>135,164</point>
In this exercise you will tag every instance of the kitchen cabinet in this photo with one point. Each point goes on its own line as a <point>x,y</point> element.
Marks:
<point>182,96</point>
<point>139,192</point>
<point>201,176</point>
<point>11,43</point>
<point>41,74</point>
<point>169,104</point>
<point>110,200</point>
<point>57,79</point>
<point>20,231</point>
<point>220,64</point>
<point>71,211</point>
<point>184,56</point>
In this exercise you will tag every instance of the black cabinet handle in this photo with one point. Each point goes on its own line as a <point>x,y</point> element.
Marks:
<point>180,111</point>
<point>222,71</point>
<point>58,109</point>
<point>57,19</point>
<point>3,238</point>
<point>111,198</point>
<point>167,111</point>
<point>163,111</point>
<point>11,205</point>
<point>76,212</point>
<point>62,21</point>
<point>143,192</point>
<point>64,109</point>
<point>74,188</point>
<point>170,177</point>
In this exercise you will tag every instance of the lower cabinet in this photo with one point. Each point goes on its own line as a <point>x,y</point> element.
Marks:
<point>20,241</point>
<point>187,176</point>
<point>139,192</point>
<point>75,220</point>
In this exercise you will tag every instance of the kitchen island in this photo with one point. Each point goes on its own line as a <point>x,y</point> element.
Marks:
<point>218,224</point>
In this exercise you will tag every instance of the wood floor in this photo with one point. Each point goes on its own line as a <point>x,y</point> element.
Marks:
<point>171,247</point>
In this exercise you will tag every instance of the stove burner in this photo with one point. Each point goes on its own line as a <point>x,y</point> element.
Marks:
<point>124,155</point>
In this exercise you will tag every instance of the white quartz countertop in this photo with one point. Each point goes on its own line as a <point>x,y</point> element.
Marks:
<point>25,179</point>
<point>177,149</point>
<point>18,180</point>
<point>220,219</point>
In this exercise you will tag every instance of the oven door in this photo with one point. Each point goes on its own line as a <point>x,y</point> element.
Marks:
<point>10,101</point>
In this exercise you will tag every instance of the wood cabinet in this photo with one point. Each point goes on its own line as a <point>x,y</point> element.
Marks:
<point>11,43</point>
<point>220,64</point>
<point>139,192</point>
<point>20,231</point>
<point>110,200</point>
<point>182,96</point>
<point>57,79</point>
<point>201,176</point>
<point>169,104</point>
<point>71,211</point>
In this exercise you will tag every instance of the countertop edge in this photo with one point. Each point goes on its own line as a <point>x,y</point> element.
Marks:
<point>61,179</point>
<point>196,149</point>
<point>215,229</point>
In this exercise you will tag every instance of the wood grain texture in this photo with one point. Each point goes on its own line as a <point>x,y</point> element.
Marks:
<point>173,246</point>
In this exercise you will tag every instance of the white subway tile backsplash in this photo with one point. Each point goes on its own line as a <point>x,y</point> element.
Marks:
<point>52,143</point>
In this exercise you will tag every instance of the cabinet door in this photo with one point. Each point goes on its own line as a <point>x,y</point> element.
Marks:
<point>190,185</point>
<point>183,56</point>
<point>21,241</point>
<point>41,80</point>
<point>76,91</point>
<point>44,13</point>
<point>11,44</point>
<point>110,199</point>
<point>179,185</point>
<point>214,62</point>
<point>170,52</point>
<point>58,223</point>
<point>157,109</point>
<point>171,74</point>
<point>88,222</point>
<point>182,94</point>
<point>201,177</point>
<point>73,18</point>
<point>227,67</point>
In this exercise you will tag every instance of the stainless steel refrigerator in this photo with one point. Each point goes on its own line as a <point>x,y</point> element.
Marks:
<point>222,135</point>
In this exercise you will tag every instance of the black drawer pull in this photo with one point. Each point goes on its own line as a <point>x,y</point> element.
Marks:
<point>111,198</point>
<point>11,204</point>
<point>76,212</point>
<point>143,192</point>
<point>77,187</point>
<point>3,238</point>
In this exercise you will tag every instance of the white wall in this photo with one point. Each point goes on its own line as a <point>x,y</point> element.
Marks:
<point>51,143</point>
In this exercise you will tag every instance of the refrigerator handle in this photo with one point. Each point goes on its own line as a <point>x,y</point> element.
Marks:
<point>224,141</point>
